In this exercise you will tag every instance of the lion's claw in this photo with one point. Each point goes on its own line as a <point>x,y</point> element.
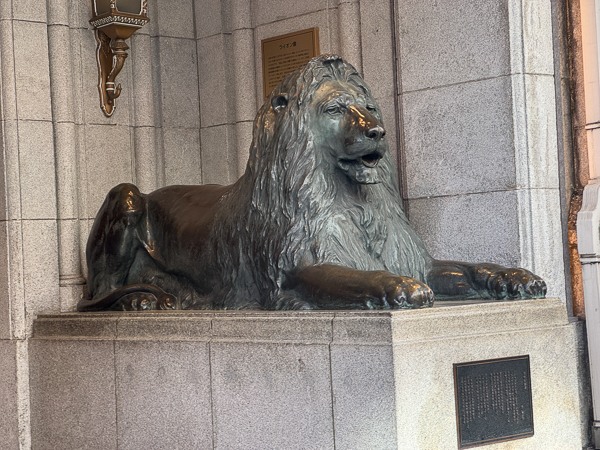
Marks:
<point>144,301</point>
<point>516,284</point>
<point>537,288</point>
<point>406,292</point>
<point>166,302</point>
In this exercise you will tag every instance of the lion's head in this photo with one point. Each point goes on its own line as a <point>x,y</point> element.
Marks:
<point>326,109</point>
<point>319,155</point>
<point>345,124</point>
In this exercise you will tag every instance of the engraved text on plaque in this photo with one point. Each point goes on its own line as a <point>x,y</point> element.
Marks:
<point>284,54</point>
<point>493,400</point>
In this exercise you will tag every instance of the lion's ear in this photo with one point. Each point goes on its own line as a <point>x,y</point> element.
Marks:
<point>279,102</point>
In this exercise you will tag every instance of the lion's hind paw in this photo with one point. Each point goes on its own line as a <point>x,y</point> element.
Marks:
<point>145,301</point>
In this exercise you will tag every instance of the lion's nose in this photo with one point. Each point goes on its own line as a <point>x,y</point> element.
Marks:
<point>375,133</point>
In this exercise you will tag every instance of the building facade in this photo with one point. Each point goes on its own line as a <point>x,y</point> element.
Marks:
<point>476,98</point>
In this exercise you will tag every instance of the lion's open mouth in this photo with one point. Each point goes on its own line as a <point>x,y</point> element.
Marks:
<point>362,168</point>
<point>370,160</point>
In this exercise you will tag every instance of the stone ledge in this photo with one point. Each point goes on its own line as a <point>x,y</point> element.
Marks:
<point>444,320</point>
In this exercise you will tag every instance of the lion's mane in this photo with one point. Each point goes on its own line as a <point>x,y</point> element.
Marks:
<point>288,211</point>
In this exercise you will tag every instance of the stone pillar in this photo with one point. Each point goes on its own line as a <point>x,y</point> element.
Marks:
<point>244,79</point>
<point>216,72</point>
<point>29,273</point>
<point>176,90</point>
<point>349,21</point>
<point>71,280</point>
<point>146,154</point>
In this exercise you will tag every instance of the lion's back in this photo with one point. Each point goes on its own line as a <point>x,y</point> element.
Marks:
<point>184,217</point>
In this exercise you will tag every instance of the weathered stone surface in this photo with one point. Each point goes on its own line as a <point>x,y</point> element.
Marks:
<point>213,71</point>
<point>107,163</point>
<point>242,46</point>
<point>458,139</point>
<point>40,267</point>
<point>470,42</point>
<point>182,156</point>
<point>243,139</point>
<point>217,144</point>
<point>469,228</point>
<point>163,395</point>
<point>271,395</point>
<point>554,386</point>
<point>208,17</point>
<point>5,304</point>
<point>38,174</point>
<point>179,82</point>
<point>288,379</point>
<point>309,327</point>
<point>266,11</point>
<point>364,400</point>
<point>73,395</point>
<point>142,67</point>
<point>9,419</point>
<point>175,18</point>
<point>32,70</point>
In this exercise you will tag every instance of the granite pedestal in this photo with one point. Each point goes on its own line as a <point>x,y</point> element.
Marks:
<point>291,380</point>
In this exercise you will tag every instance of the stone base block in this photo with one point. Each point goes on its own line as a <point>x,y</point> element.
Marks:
<point>9,412</point>
<point>291,380</point>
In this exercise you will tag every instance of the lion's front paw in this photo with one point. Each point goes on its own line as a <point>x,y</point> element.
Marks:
<point>406,292</point>
<point>515,284</point>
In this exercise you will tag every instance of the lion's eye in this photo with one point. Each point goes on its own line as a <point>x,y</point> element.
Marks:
<point>333,109</point>
<point>371,108</point>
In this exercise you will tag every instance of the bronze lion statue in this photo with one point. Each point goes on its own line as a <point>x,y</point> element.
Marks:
<point>315,222</point>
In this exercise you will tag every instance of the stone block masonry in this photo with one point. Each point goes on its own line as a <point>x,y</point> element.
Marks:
<point>293,380</point>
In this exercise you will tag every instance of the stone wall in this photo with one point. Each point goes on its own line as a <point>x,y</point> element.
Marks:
<point>466,89</point>
<point>480,133</point>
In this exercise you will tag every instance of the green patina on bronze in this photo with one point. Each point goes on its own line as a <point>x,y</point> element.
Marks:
<point>314,223</point>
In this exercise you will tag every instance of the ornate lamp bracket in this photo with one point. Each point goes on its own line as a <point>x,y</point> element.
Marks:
<point>112,26</point>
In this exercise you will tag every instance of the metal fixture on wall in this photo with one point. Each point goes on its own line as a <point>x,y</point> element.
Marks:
<point>114,21</point>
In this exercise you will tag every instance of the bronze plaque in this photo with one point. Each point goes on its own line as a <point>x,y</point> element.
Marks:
<point>284,54</point>
<point>493,401</point>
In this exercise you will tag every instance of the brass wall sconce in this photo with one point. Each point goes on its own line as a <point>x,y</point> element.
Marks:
<point>114,21</point>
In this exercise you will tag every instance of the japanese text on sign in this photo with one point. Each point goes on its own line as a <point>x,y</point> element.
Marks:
<point>284,54</point>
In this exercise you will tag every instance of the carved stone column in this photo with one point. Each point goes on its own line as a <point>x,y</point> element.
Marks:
<point>71,280</point>
<point>349,27</point>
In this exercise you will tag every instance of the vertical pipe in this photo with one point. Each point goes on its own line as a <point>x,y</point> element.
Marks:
<point>588,219</point>
<point>589,31</point>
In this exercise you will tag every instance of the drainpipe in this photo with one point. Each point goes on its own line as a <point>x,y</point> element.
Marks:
<point>588,219</point>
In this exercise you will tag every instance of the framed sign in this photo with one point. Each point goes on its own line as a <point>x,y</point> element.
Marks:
<point>284,54</point>
<point>493,401</point>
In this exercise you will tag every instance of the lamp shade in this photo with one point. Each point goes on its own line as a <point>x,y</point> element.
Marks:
<point>119,19</point>
<point>124,6</point>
